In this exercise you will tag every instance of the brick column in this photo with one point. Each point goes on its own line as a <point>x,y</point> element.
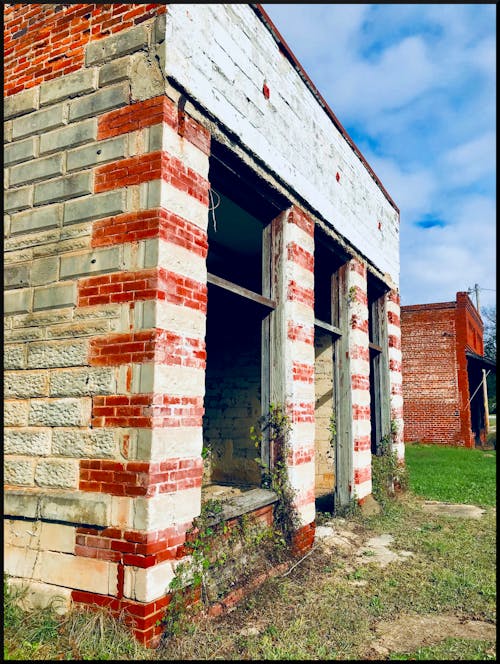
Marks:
<point>292,356</point>
<point>395,371</point>
<point>359,368</point>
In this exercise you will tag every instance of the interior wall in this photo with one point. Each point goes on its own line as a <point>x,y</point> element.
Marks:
<point>323,371</point>
<point>232,388</point>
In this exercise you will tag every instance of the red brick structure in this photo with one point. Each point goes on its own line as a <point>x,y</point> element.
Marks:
<point>443,397</point>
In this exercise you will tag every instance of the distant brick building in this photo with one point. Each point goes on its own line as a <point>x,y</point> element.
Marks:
<point>190,236</point>
<point>443,386</point>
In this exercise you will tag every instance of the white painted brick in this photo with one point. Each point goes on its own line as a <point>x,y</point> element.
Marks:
<point>94,262</point>
<point>57,354</point>
<point>165,443</point>
<point>57,474</point>
<point>54,296</point>
<point>304,278</point>
<point>302,434</point>
<point>306,514</point>
<point>360,397</point>
<point>362,490</point>
<point>27,441</point>
<point>146,585</point>
<point>180,320</point>
<point>59,412</point>
<point>25,384</point>
<point>18,301</point>
<point>82,382</point>
<point>394,330</point>
<point>302,476</point>
<point>70,85</point>
<point>84,443</point>
<point>179,380</point>
<point>182,204</point>
<point>15,413</point>
<point>18,471</point>
<point>181,261</point>
<point>301,352</point>
<point>182,149</point>
<point>293,233</point>
<point>361,459</point>
<point>167,509</point>
<point>76,134</point>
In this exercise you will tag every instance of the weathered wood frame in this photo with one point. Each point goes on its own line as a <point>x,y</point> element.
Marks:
<point>379,372</point>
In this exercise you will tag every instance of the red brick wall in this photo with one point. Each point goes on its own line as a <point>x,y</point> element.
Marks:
<point>44,41</point>
<point>436,396</point>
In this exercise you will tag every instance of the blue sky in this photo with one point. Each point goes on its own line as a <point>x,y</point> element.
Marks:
<point>415,88</point>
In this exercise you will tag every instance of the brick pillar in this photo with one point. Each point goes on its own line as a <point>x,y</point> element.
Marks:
<point>395,370</point>
<point>359,368</point>
<point>292,354</point>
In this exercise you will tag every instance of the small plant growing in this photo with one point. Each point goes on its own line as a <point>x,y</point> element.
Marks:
<point>388,474</point>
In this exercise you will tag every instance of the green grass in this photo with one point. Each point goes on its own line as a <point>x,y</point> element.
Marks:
<point>452,474</point>
<point>320,611</point>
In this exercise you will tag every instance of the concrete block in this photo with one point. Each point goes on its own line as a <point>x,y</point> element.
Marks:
<point>29,442</point>
<point>7,131</point>
<point>18,199</point>
<point>14,356</point>
<point>26,334</point>
<point>35,220</point>
<point>146,79</point>
<point>37,169</point>
<point>98,153</point>
<point>16,565</point>
<point>77,83</point>
<point>20,103</point>
<point>114,71</point>
<point>95,262</point>
<point>16,413</point>
<point>95,207</point>
<point>39,122</point>
<point>44,271</point>
<point>54,296</point>
<point>18,301</point>
<point>86,443</point>
<point>75,507</point>
<point>6,226</point>
<point>18,471</point>
<point>57,537</point>
<point>53,354</point>
<point>159,28</point>
<point>69,137</point>
<point>20,151</point>
<point>78,572</point>
<point>100,101</point>
<point>82,382</point>
<point>25,384</point>
<point>81,329</point>
<point>59,412</point>
<point>37,595</point>
<point>57,474</point>
<point>69,186</point>
<point>16,276</point>
<point>117,45</point>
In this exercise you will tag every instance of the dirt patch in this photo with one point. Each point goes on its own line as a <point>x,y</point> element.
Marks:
<point>409,633</point>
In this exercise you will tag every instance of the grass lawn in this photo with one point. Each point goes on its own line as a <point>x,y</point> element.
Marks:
<point>452,474</point>
<point>330,607</point>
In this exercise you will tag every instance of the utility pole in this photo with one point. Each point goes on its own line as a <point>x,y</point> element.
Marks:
<point>476,289</point>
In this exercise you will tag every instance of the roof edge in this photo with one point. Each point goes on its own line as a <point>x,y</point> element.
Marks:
<point>286,50</point>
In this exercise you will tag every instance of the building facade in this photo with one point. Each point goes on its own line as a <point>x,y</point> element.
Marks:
<point>445,401</point>
<point>190,236</point>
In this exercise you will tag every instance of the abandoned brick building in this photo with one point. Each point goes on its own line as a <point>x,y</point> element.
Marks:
<point>191,236</point>
<point>444,373</point>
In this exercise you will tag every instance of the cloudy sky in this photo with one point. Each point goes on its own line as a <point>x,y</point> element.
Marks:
<point>414,86</point>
